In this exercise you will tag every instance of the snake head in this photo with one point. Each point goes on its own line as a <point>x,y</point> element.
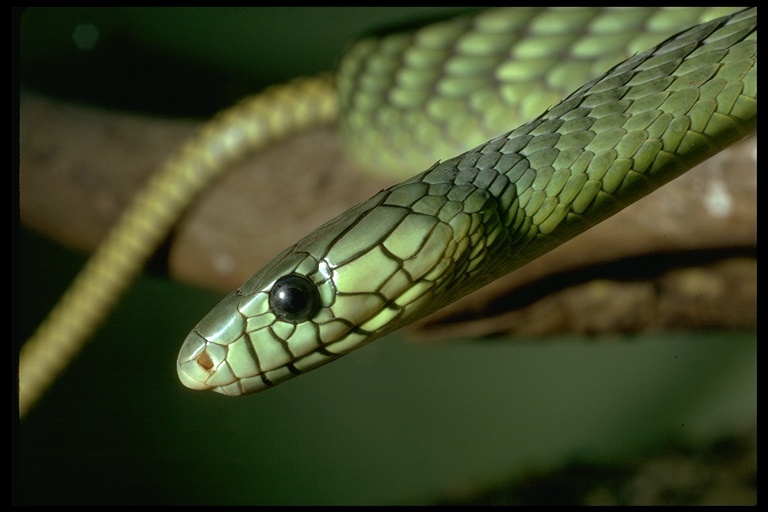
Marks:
<point>280,323</point>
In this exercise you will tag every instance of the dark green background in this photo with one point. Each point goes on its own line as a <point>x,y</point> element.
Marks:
<point>396,422</point>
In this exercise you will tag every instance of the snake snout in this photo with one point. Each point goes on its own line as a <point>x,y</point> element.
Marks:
<point>194,365</point>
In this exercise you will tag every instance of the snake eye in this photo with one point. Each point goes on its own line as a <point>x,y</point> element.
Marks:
<point>294,298</point>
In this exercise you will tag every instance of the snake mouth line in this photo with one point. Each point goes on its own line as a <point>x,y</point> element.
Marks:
<point>196,367</point>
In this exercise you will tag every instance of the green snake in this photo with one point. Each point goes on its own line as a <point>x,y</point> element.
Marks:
<point>420,245</point>
<point>404,101</point>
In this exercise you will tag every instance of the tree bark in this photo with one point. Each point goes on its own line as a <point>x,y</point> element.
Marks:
<point>682,258</point>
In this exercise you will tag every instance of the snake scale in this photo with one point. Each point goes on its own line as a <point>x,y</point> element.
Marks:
<point>419,245</point>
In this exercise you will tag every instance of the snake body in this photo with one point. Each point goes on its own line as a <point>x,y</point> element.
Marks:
<point>419,245</point>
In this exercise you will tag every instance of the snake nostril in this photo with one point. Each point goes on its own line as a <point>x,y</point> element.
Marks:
<point>205,362</point>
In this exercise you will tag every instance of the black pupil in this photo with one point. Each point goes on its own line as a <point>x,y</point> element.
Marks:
<point>291,299</point>
<point>294,298</point>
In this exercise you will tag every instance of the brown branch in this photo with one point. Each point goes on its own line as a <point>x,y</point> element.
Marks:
<point>80,167</point>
